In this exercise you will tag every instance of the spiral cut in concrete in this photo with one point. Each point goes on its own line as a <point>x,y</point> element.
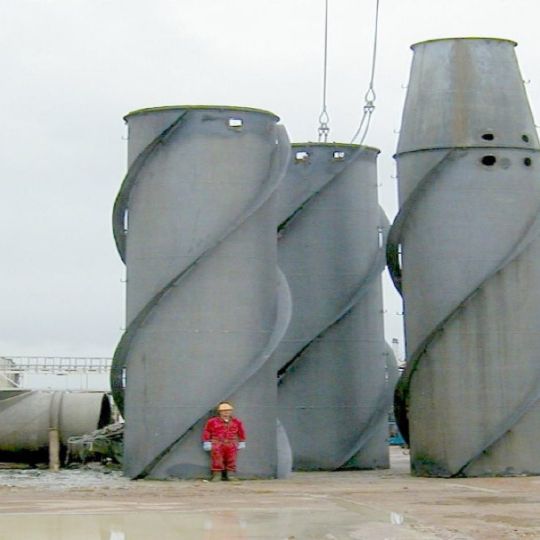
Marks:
<point>464,251</point>
<point>28,415</point>
<point>336,372</point>
<point>194,221</point>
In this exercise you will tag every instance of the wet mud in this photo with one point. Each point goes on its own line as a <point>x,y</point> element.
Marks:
<point>361,505</point>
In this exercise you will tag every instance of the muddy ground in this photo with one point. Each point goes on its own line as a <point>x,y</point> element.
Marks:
<point>370,505</point>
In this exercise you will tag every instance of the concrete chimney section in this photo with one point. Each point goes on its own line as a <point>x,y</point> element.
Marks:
<point>195,224</point>
<point>465,252</point>
<point>333,392</point>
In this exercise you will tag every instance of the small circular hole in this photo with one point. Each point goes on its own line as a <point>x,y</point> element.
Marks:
<point>527,162</point>
<point>488,136</point>
<point>489,161</point>
<point>525,138</point>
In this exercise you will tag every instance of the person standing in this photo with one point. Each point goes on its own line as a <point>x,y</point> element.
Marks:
<point>222,436</point>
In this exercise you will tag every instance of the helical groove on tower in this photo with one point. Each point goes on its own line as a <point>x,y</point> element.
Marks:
<point>464,253</point>
<point>531,233</point>
<point>120,209</point>
<point>331,249</point>
<point>204,180</point>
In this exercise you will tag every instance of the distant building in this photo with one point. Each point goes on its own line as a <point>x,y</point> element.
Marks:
<point>8,379</point>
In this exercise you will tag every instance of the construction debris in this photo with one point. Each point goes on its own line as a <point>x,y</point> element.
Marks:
<point>104,444</point>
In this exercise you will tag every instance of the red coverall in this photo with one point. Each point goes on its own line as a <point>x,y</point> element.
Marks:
<point>224,437</point>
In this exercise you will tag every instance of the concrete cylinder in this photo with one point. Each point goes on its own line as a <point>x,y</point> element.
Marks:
<point>28,415</point>
<point>464,251</point>
<point>333,391</point>
<point>194,223</point>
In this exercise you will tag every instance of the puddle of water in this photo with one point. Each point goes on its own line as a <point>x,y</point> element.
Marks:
<point>219,525</point>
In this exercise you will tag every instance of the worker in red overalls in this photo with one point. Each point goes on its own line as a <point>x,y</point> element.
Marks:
<point>223,436</point>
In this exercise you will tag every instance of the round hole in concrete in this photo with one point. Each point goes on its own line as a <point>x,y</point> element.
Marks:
<point>525,138</point>
<point>489,160</point>
<point>527,162</point>
<point>488,136</point>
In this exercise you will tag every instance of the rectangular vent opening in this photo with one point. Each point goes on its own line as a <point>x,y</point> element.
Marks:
<point>236,123</point>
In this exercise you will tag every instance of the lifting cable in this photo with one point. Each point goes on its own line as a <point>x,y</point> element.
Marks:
<point>369,98</point>
<point>324,118</point>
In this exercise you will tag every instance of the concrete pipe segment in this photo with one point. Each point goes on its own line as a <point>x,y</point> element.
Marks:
<point>333,392</point>
<point>468,230</point>
<point>28,415</point>
<point>195,222</point>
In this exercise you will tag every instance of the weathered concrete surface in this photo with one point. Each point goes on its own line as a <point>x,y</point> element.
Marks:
<point>195,223</point>
<point>366,505</point>
<point>333,393</point>
<point>469,232</point>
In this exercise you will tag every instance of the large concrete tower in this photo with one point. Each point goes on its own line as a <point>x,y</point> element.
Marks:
<point>333,392</point>
<point>469,267</point>
<point>195,224</point>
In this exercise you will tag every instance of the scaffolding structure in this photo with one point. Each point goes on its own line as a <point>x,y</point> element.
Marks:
<point>13,369</point>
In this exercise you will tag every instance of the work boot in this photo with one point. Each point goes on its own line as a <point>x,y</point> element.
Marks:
<point>216,476</point>
<point>231,476</point>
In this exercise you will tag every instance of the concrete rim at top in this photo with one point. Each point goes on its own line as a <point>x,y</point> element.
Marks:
<point>231,108</point>
<point>482,147</point>
<point>472,38</point>
<point>335,145</point>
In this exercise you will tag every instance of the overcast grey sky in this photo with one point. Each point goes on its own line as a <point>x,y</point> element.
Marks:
<point>72,68</point>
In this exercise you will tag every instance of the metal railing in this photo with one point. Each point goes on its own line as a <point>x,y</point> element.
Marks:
<point>54,364</point>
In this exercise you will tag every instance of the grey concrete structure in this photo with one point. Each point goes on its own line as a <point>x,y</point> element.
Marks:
<point>336,372</point>
<point>8,379</point>
<point>195,223</point>
<point>27,415</point>
<point>468,231</point>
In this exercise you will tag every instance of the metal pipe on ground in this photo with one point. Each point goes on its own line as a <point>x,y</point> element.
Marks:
<point>32,421</point>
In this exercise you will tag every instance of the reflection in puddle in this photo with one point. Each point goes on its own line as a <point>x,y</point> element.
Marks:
<point>142,526</point>
<point>268,523</point>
